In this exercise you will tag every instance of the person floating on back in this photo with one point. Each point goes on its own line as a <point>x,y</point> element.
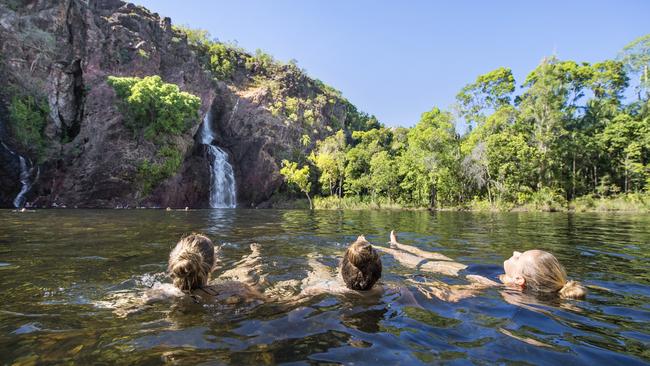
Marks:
<point>191,263</point>
<point>359,271</point>
<point>534,271</point>
<point>539,271</point>
<point>361,265</point>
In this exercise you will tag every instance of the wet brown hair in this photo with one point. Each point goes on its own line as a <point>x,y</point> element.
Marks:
<point>361,265</point>
<point>191,262</point>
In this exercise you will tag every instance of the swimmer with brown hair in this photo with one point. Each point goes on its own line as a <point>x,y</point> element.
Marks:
<point>358,272</point>
<point>361,267</point>
<point>358,275</point>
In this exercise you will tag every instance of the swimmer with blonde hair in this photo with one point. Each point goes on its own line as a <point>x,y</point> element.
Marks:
<point>540,271</point>
<point>534,270</point>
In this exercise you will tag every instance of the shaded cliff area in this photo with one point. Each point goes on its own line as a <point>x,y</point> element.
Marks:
<point>55,58</point>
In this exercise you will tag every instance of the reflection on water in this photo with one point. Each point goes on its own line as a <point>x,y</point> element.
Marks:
<point>57,266</point>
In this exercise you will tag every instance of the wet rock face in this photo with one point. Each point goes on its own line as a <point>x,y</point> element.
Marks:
<point>62,52</point>
<point>9,177</point>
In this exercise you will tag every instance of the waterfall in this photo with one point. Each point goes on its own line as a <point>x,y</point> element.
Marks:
<point>222,176</point>
<point>25,183</point>
<point>25,178</point>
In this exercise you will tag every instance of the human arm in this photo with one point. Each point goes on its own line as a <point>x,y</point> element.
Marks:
<point>409,260</point>
<point>416,251</point>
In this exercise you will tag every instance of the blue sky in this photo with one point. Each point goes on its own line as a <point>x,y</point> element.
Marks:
<point>397,59</point>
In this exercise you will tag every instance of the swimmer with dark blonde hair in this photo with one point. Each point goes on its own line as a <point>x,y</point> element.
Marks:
<point>190,266</point>
<point>192,261</point>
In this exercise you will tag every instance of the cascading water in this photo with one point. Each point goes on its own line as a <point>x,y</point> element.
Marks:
<point>25,183</point>
<point>25,178</point>
<point>222,176</point>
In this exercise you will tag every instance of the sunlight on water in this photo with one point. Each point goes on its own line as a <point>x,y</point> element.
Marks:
<point>64,271</point>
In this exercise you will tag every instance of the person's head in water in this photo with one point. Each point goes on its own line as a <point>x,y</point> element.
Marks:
<point>361,265</point>
<point>191,262</point>
<point>540,271</point>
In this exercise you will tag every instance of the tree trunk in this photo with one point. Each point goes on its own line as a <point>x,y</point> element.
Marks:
<point>573,179</point>
<point>626,164</point>
<point>311,207</point>
<point>489,193</point>
<point>432,201</point>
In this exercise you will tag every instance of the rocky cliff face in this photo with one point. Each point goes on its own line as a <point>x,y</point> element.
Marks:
<point>61,53</point>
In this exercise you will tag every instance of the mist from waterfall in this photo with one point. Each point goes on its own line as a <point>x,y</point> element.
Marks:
<point>222,177</point>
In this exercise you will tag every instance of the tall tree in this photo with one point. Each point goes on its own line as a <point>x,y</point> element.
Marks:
<point>636,57</point>
<point>298,177</point>
<point>490,91</point>
<point>329,158</point>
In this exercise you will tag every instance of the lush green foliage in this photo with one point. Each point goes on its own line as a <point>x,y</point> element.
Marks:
<point>565,136</point>
<point>28,119</point>
<point>156,107</point>
<point>158,111</point>
<point>297,176</point>
<point>151,174</point>
<point>636,57</point>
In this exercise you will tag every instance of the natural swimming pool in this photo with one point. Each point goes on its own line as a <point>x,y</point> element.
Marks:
<point>57,265</point>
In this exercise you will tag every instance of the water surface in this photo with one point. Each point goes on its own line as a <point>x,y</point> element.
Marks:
<point>58,265</point>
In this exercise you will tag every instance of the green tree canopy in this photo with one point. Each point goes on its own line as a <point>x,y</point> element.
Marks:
<point>490,91</point>
<point>298,177</point>
<point>156,106</point>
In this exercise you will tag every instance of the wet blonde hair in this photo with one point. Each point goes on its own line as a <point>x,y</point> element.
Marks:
<point>361,265</point>
<point>191,262</point>
<point>544,273</point>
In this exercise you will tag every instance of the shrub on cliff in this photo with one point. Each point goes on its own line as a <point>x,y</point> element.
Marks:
<point>221,58</point>
<point>151,173</point>
<point>28,119</point>
<point>155,107</point>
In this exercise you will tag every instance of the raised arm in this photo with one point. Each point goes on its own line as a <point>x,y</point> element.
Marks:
<point>416,251</point>
<point>246,270</point>
<point>446,267</point>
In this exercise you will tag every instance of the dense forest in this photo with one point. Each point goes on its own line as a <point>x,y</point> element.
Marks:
<point>572,134</point>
